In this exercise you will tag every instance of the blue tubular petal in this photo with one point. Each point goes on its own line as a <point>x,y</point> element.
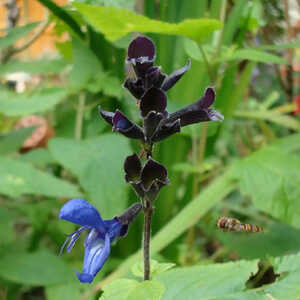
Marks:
<point>114,228</point>
<point>81,212</point>
<point>96,254</point>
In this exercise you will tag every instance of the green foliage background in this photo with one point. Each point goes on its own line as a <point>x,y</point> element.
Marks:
<point>246,167</point>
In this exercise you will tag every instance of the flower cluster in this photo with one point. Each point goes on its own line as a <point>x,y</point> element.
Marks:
<point>149,85</point>
<point>148,180</point>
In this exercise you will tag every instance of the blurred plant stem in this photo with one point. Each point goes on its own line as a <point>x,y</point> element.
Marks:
<point>79,115</point>
<point>289,53</point>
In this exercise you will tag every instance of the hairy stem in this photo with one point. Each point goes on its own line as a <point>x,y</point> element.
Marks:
<point>146,241</point>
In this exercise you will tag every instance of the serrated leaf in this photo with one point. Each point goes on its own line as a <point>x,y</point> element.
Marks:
<point>207,282</point>
<point>39,268</point>
<point>13,141</point>
<point>98,164</point>
<point>115,23</point>
<point>18,178</point>
<point>254,55</point>
<point>12,104</point>
<point>15,34</point>
<point>148,290</point>
<point>118,289</point>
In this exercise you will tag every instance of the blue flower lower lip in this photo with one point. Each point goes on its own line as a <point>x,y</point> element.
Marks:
<point>102,234</point>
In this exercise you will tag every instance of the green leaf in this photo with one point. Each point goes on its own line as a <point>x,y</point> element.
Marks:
<point>86,65</point>
<point>15,34</point>
<point>13,141</point>
<point>295,44</point>
<point>18,178</point>
<point>39,268</point>
<point>34,67</point>
<point>99,169</point>
<point>67,291</point>
<point>115,23</point>
<point>208,281</point>
<point>254,55</point>
<point>12,104</point>
<point>118,289</point>
<point>38,157</point>
<point>148,290</point>
<point>63,15</point>
<point>270,177</point>
<point>127,289</point>
<point>270,115</point>
<point>156,268</point>
<point>127,4</point>
<point>288,284</point>
<point>7,234</point>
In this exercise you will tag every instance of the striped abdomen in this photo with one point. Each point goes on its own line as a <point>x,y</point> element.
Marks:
<point>231,224</point>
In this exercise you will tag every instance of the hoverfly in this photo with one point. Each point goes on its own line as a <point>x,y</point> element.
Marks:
<point>234,225</point>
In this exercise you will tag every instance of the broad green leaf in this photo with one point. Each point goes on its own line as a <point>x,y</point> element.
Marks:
<point>38,268</point>
<point>98,164</point>
<point>148,290</point>
<point>249,295</point>
<point>15,34</point>
<point>156,268</point>
<point>34,67</point>
<point>270,177</point>
<point>115,23</point>
<point>18,178</point>
<point>127,289</point>
<point>254,55</point>
<point>107,84</point>
<point>13,141</point>
<point>67,291</point>
<point>207,281</point>
<point>118,289</point>
<point>287,286</point>
<point>6,225</point>
<point>85,65</point>
<point>38,157</point>
<point>12,104</point>
<point>276,240</point>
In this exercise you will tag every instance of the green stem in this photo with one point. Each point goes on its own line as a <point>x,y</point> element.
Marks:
<point>207,65</point>
<point>79,116</point>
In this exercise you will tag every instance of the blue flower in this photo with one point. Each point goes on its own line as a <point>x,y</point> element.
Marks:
<point>102,233</point>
